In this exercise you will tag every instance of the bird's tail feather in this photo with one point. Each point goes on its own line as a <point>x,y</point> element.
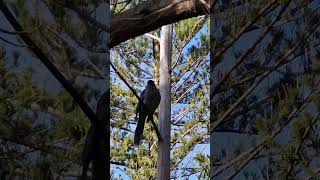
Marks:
<point>138,134</point>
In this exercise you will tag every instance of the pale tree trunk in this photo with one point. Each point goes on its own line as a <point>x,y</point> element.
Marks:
<point>163,166</point>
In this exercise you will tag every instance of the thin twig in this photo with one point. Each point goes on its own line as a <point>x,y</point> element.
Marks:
<point>153,36</point>
<point>12,43</point>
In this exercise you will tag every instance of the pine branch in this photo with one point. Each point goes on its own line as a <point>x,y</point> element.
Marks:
<point>243,31</point>
<point>296,152</point>
<point>215,124</point>
<point>250,49</point>
<point>253,151</point>
<point>50,66</point>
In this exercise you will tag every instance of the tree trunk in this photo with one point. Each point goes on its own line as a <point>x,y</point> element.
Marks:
<point>163,166</point>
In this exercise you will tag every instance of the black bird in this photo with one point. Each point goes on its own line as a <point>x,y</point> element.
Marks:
<point>151,98</point>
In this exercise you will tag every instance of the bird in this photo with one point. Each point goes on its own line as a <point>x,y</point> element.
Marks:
<point>151,98</point>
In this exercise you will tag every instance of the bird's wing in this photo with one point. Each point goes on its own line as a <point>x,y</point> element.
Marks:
<point>158,96</point>
<point>138,134</point>
<point>139,103</point>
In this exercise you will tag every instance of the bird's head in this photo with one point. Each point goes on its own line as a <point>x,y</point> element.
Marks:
<point>150,83</point>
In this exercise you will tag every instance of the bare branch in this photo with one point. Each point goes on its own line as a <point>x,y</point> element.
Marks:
<point>153,36</point>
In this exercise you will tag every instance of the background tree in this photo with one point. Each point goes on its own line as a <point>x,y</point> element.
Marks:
<point>51,144</point>
<point>265,90</point>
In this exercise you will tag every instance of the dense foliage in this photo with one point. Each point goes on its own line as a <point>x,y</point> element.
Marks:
<point>265,90</point>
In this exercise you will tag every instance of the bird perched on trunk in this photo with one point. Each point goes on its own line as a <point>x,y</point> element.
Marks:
<point>151,99</point>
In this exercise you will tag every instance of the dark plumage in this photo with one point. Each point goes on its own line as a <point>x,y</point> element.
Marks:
<point>151,98</point>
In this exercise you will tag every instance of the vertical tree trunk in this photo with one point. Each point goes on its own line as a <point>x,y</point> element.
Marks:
<point>163,166</point>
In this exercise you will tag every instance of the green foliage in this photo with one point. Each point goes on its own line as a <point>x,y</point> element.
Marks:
<point>28,114</point>
<point>42,128</point>
<point>270,103</point>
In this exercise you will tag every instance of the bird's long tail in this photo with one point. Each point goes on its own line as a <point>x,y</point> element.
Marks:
<point>138,134</point>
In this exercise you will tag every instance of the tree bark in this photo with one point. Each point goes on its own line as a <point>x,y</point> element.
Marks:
<point>163,164</point>
<point>151,15</point>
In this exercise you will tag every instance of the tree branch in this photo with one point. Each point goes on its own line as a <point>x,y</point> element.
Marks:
<point>51,67</point>
<point>153,36</point>
<point>152,14</point>
<point>215,124</point>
